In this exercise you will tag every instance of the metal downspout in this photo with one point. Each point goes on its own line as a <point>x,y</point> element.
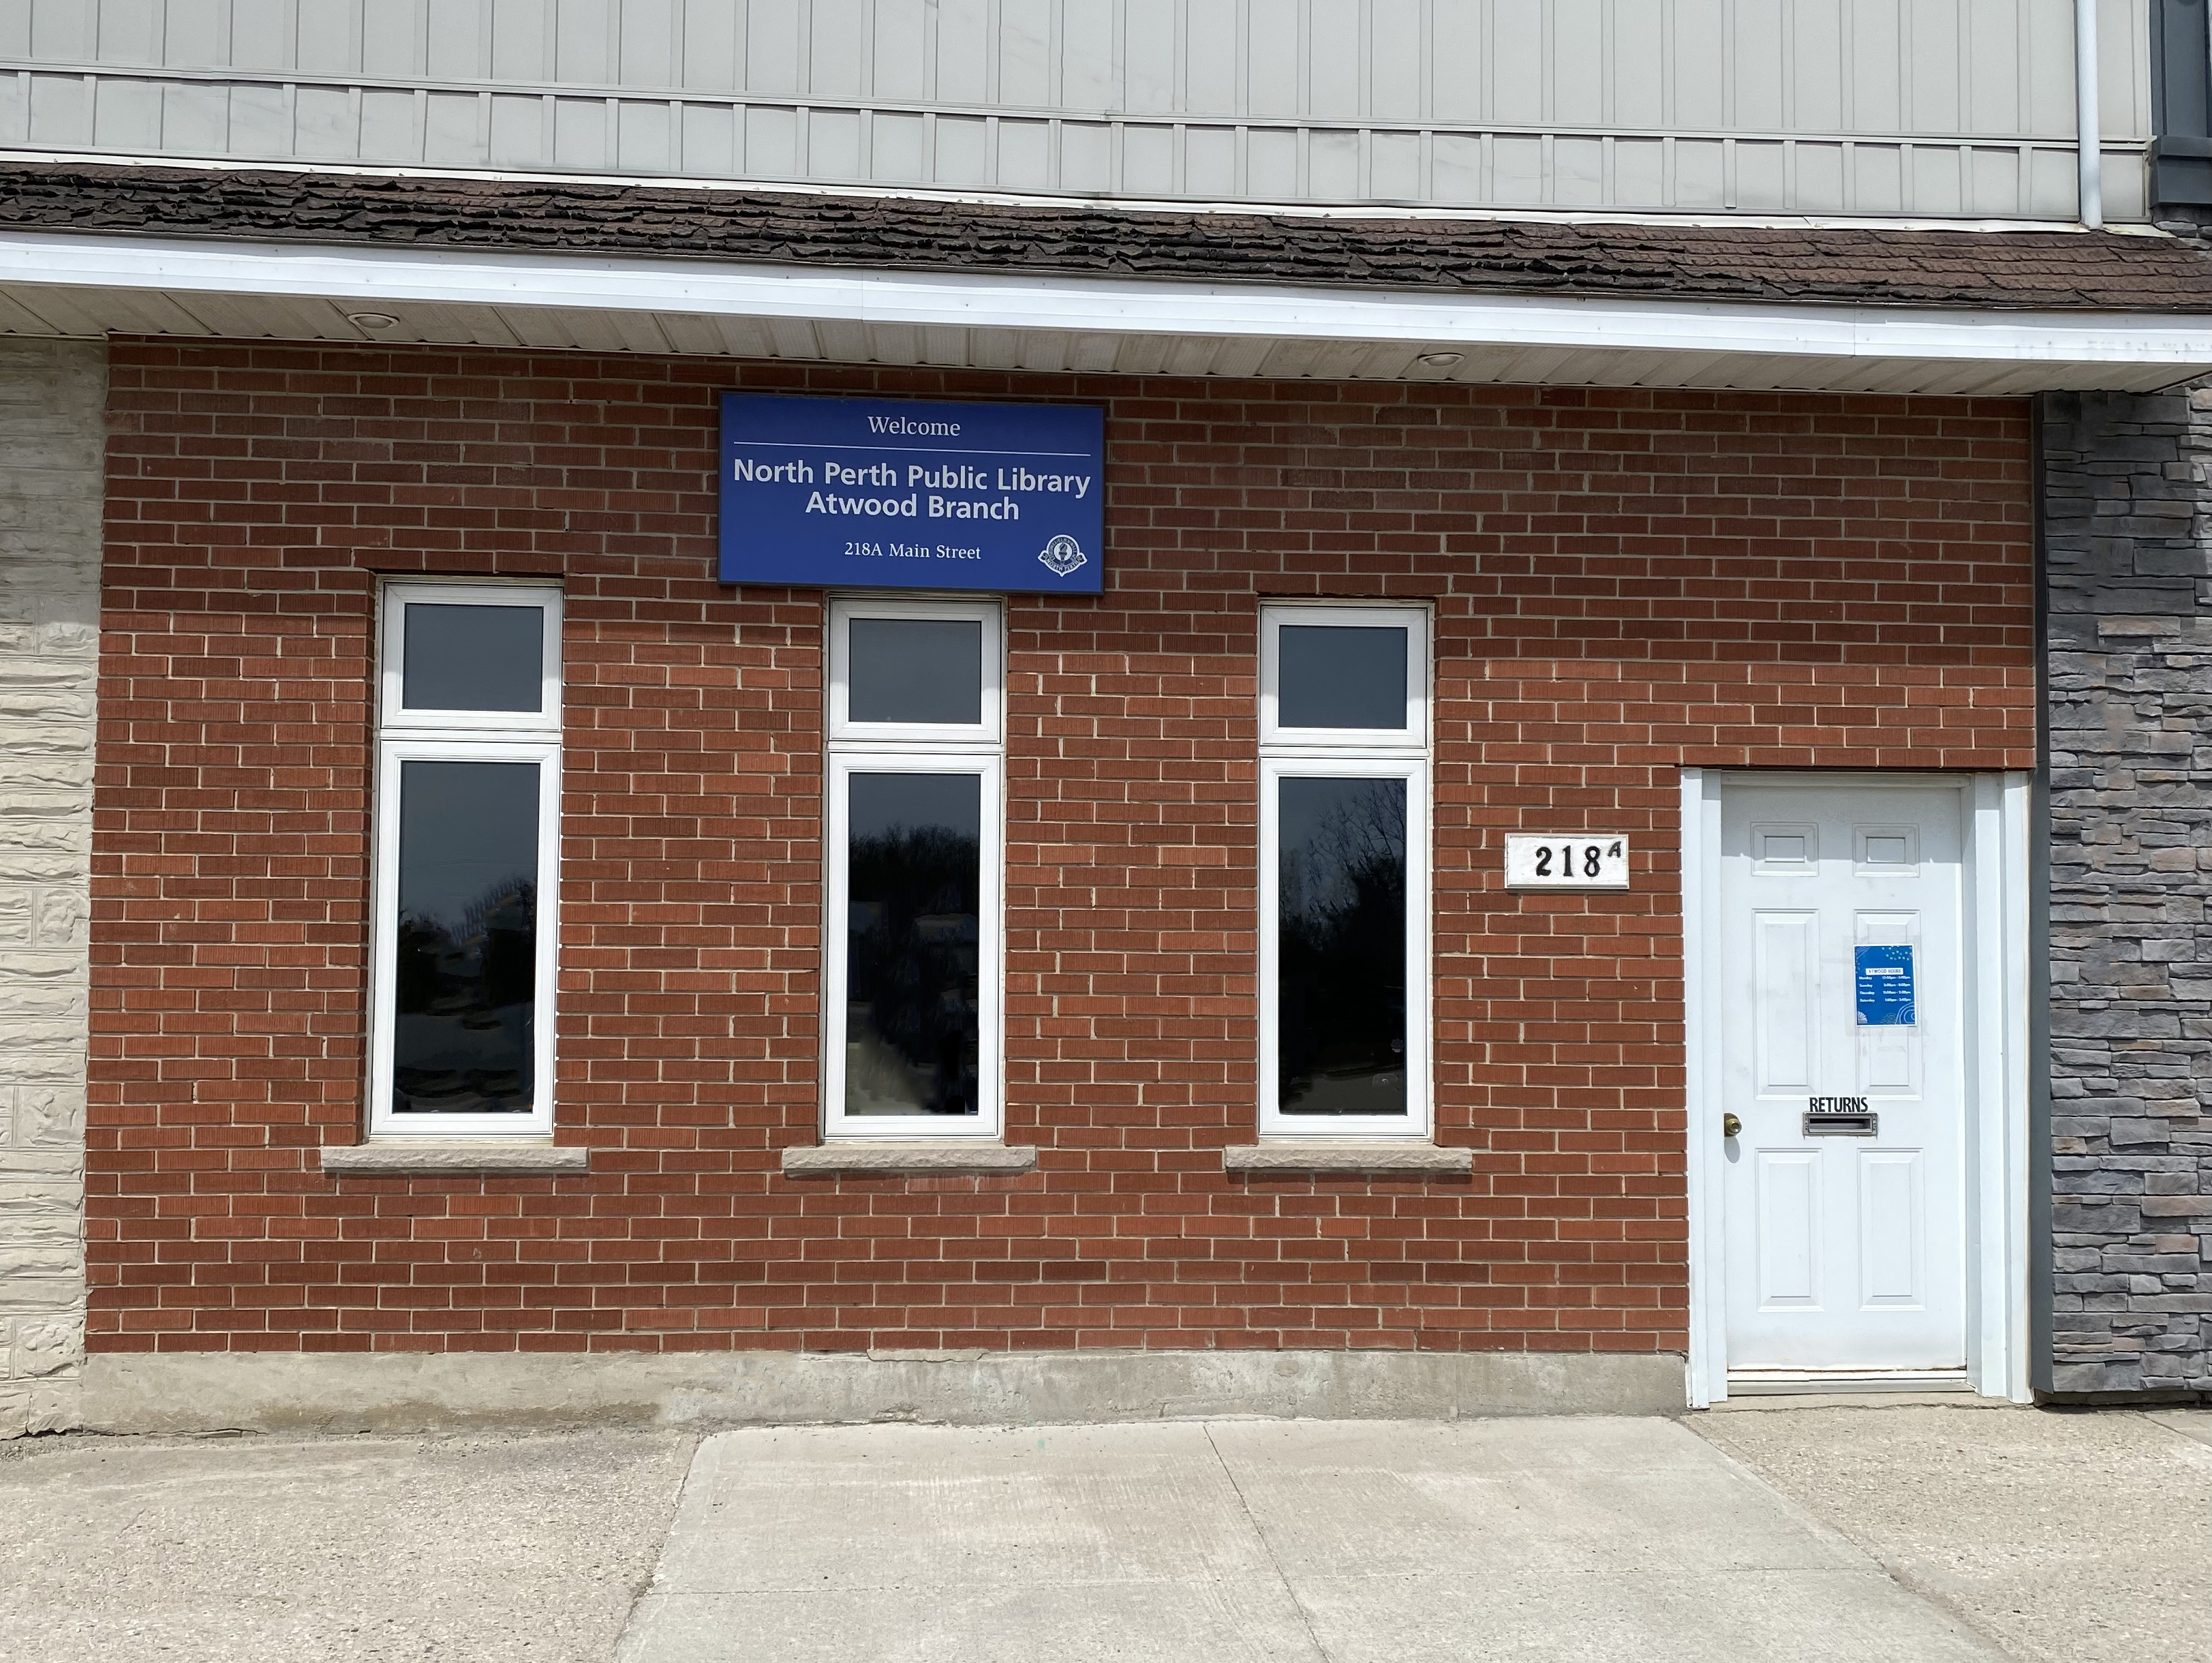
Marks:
<point>2087,132</point>
<point>2038,1246</point>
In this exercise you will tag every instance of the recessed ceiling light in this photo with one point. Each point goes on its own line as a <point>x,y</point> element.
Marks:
<point>1442,360</point>
<point>372,320</point>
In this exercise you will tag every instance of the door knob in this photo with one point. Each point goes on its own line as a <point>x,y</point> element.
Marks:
<point>1731,1125</point>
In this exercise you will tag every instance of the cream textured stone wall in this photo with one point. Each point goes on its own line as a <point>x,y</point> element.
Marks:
<point>52,434</point>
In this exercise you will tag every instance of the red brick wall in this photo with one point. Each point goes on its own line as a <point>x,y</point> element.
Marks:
<point>1624,582</point>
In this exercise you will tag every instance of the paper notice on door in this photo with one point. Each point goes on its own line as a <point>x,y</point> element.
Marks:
<point>1883,978</point>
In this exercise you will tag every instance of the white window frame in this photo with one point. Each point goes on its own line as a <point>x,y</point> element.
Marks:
<point>1349,753</point>
<point>393,718</point>
<point>1409,740</point>
<point>405,736</point>
<point>843,729</point>
<point>860,747</point>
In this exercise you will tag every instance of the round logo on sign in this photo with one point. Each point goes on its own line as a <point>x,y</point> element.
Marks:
<point>1062,556</point>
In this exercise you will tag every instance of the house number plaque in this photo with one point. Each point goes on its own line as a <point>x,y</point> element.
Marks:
<point>1565,860</point>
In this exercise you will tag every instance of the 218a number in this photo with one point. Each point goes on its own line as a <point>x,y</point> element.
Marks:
<point>1590,861</point>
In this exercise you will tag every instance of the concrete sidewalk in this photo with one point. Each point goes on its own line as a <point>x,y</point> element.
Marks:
<point>475,1549</point>
<point>1909,1534</point>
<point>1354,1543</point>
<point>2068,1536</point>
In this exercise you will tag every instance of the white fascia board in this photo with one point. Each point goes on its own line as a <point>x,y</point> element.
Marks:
<point>398,277</point>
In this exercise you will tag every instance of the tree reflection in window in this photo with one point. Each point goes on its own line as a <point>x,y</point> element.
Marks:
<point>465,987</point>
<point>1340,984</point>
<point>913,943</point>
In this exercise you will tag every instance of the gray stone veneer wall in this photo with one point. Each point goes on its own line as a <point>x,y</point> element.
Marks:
<point>52,434</point>
<point>2128,534</point>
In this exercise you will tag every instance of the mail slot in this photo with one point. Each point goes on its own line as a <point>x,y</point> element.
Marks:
<point>1859,1122</point>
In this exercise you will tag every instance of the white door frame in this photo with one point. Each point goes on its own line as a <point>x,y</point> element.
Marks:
<point>1994,814</point>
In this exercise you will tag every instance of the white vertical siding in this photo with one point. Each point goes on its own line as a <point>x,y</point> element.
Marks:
<point>1937,107</point>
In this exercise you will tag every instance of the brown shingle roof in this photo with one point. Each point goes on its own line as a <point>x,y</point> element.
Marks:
<point>2054,269</point>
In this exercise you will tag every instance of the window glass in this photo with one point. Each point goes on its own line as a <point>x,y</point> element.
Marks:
<point>464,995</point>
<point>913,903</point>
<point>1340,984</point>
<point>472,658</point>
<point>915,669</point>
<point>1342,676</point>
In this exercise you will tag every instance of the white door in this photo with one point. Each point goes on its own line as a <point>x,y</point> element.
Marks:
<point>1844,1059</point>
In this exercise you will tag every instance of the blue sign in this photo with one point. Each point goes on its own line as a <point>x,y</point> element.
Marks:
<point>894,494</point>
<point>1884,978</point>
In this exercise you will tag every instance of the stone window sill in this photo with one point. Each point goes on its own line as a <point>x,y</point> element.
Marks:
<point>1382,1157</point>
<point>485,1157</point>
<point>917,1157</point>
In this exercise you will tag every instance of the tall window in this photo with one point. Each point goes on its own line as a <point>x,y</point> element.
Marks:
<point>468,796</point>
<point>911,959</point>
<point>1343,872</point>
